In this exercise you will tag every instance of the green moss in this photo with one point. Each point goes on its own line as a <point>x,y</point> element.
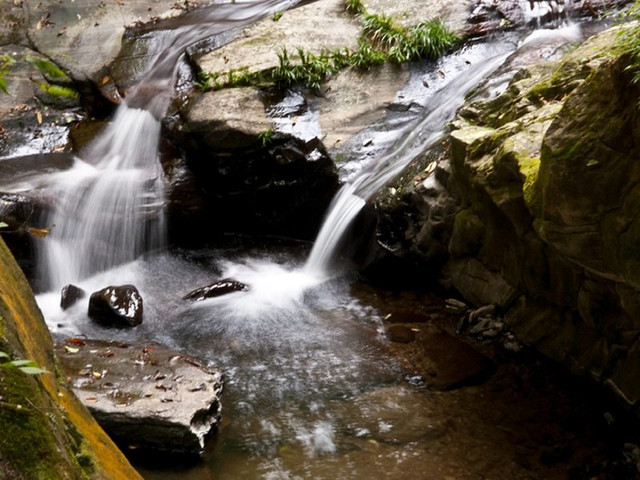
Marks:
<point>45,432</point>
<point>31,428</point>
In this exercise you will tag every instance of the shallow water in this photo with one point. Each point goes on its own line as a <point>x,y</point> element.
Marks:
<point>315,389</point>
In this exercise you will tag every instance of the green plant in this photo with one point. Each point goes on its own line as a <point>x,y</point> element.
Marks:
<point>310,70</point>
<point>266,137</point>
<point>366,56</point>
<point>354,6</point>
<point>277,16</point>
<point>46,67</point>
<point>6,62</point>
<point>428,39</point>
<point>629,42</point>
<point>25,366</point>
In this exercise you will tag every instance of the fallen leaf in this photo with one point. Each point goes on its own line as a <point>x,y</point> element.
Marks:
<point>39,232</point>
<point>69,349</point>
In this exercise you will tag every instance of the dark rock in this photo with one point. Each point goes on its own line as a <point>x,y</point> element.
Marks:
<point>150,399</point>
<point>70,295</point>
<point>450,363</point>
<point>216,289</point>
<point>116,306</point>
<point>277,186</point>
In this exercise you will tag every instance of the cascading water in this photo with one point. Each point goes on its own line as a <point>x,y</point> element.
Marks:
<point>415,140</point>
<point>310,391</point>
<point>109,206</point>
<point>367,183</point>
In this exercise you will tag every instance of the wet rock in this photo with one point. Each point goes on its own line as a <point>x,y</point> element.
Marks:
<point>116,306</point>
<point>261,183</point>
<point>216,289</point>
<point>150,399</point>
<point>17,213</point>
<point>70,295</point>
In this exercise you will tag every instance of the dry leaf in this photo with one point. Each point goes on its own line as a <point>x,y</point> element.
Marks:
<point>39,232</point>
<point>39,117</point>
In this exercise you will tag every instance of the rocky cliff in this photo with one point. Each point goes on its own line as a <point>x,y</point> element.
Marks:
<point>541,188</point>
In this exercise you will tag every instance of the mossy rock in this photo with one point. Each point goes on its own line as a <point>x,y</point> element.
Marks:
<point>46,432</point>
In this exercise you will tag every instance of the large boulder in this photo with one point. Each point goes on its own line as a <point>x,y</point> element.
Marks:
<point>46,430</point>
<point>244,177</point>
<point>546,176</point>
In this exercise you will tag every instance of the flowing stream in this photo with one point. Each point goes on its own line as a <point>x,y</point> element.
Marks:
<point>311,390</point>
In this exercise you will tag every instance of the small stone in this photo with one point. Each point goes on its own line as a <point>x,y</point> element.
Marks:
<point>217,289</point>
<point>70,295</point>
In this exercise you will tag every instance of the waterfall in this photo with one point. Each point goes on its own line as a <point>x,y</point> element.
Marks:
<point>109,207</point>
<point>417,138</point>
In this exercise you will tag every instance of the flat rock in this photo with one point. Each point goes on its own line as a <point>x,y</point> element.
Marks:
<point>147,397</point>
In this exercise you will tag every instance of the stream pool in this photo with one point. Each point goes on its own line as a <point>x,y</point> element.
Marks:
<point>315,388</point>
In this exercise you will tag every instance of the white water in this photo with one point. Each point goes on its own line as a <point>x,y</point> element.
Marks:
<point>108,211</point>
<point>417,138</point>
<point>109,206</point>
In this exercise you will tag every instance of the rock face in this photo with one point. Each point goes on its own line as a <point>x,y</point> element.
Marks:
<point>150,399</point>
<point>51,432</point>
<point>546,179</point>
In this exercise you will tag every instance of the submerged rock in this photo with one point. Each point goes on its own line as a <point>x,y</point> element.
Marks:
<point>150,399</point>
<point>116,306</point>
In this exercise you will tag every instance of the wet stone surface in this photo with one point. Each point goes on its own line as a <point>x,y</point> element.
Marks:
<point>147,397</point>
